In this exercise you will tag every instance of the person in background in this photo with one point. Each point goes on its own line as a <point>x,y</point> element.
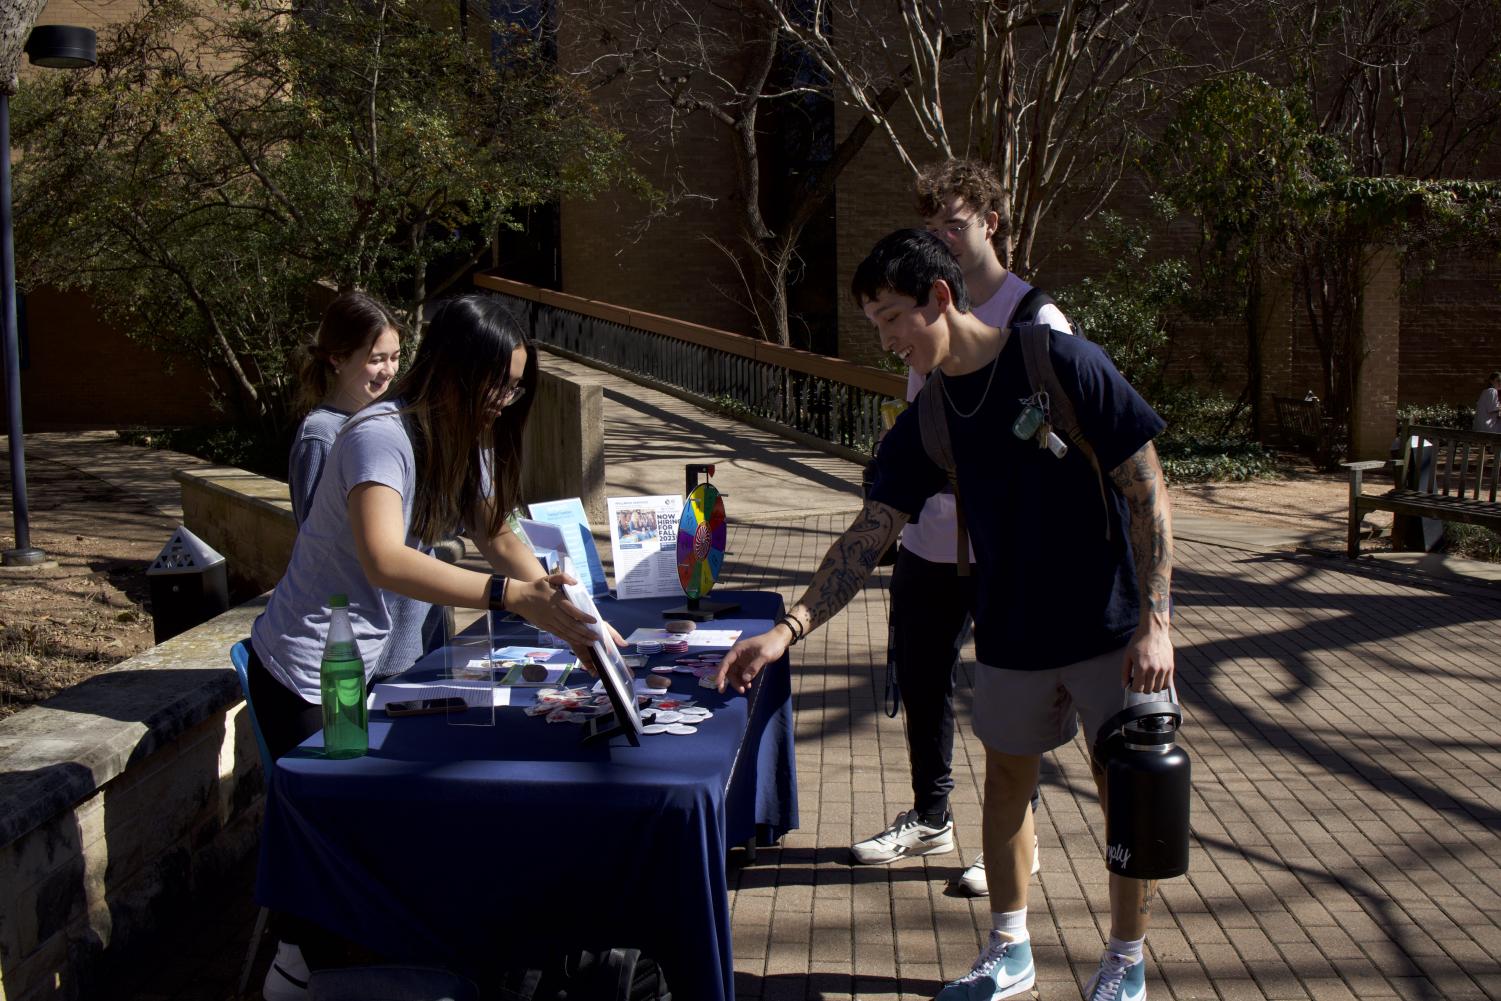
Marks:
<point>350,365</point>
<point>1488,407</point>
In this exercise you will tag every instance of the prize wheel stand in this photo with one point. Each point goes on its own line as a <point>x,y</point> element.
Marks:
<point>701,544</point>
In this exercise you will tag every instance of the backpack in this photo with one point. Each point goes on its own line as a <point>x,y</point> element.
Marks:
<point>934,426</point>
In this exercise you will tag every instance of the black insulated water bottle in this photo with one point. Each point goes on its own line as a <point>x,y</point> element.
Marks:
<point>1146,786</point>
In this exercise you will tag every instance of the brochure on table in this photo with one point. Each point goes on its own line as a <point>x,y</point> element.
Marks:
<point>699,639</point>
<point>548,543</point>
<point>569,518</point>
<point>644,546</point>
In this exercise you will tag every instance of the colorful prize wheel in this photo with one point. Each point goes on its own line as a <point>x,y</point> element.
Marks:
<point>701,537</point>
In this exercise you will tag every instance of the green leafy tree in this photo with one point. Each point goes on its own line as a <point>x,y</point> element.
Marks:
<point>222,160</point>
<point>1236,157</point>
<point>1358,126</point>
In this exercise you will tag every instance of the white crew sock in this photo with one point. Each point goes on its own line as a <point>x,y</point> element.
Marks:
<point>1011,924</point>
<point>1130,950</point>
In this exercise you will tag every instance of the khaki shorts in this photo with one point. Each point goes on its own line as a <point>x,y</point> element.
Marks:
<point>1032,712</point>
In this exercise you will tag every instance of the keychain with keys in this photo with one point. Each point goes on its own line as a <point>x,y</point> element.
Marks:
<point>1035,422</point>
<point>1034,416</point>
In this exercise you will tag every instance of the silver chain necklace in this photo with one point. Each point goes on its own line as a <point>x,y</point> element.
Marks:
<point>943,384</point>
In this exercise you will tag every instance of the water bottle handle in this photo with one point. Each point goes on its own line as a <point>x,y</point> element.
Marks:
<point>1131,713</point>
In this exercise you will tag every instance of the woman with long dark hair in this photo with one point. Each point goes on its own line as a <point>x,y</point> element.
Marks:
<point>442,450</point>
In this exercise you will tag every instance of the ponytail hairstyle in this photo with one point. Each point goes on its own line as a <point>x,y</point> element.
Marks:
<point>463,456</point>
<point>350,324</point>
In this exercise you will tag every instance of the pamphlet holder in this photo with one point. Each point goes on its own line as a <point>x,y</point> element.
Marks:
<point>468,673</point>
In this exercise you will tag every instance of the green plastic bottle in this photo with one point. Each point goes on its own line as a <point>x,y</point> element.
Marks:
<point>346,722</point>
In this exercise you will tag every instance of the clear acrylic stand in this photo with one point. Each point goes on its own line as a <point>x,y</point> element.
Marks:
<point>468,670</point>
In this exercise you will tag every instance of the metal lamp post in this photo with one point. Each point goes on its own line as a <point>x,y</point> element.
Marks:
<point>63,47</point>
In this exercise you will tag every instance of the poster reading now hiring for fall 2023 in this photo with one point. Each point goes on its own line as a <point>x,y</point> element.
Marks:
<point>643,545</point>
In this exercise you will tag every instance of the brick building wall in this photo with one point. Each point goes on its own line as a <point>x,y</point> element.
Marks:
<point>1451,329</point>
<point>671,266</point>
<point>80,372</point>
<point>1448,316</point>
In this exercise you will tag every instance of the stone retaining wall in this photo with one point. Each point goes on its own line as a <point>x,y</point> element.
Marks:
<point>120,799</point>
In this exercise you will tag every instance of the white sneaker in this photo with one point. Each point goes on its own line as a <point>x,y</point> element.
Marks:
<point>1118,979</point>
<point>907,837</point>
<point>972,882</point>
<point>287,979</point>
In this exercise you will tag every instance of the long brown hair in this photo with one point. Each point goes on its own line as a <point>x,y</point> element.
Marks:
<point>350,324</point>
<point>462,362</point>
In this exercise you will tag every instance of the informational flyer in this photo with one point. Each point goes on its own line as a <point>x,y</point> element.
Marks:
<point>549,543</point>
<point>569,518</point>
<point>644,545</point>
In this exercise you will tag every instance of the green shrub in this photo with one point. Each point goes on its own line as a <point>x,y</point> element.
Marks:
<point>1202,444</point>
<point>262,452</point>
<point>1444,415</point>
<point>1474,542</point>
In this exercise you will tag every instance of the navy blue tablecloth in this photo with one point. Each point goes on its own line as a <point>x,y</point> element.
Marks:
<point>484,846</point>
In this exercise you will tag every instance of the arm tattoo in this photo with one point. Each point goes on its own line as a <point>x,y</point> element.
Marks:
<point>848,563</point>
<point>1140,480</point>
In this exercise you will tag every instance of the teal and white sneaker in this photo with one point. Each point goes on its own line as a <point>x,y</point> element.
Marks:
<point>1003,969</point>
<point>1118,979</point>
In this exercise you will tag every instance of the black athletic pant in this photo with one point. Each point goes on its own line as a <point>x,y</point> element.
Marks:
<point>930,615</point>
<point>286,719</point>
<point>930,606</point>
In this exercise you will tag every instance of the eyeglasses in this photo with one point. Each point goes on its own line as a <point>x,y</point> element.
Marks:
<point>952,230</point>
<point>509,395</point>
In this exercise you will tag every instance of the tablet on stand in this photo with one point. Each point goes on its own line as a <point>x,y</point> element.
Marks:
<point>613,675</point>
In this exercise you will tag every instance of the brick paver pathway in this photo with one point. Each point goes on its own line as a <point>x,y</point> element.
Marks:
<point>1346,813</point>
<point>1346,804</point>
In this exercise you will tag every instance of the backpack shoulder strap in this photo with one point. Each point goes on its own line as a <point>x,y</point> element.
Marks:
<point>1038,361</point>
<point>1030,305</point>
<point>933,425</point>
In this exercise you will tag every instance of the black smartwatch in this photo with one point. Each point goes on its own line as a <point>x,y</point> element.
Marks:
<point>498,592</point>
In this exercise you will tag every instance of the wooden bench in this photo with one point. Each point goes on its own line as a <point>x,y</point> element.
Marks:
<point>1460,484</point>
<point>1301,424</point>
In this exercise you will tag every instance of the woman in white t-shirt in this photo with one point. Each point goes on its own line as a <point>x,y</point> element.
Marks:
<point>1488,407</point>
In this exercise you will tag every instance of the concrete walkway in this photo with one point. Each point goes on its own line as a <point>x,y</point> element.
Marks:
<point>1340,716</point>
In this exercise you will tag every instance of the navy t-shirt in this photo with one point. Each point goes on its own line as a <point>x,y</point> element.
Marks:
<point>1052,589</point>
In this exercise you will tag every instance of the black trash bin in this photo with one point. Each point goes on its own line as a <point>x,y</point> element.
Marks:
<point>189,585</point>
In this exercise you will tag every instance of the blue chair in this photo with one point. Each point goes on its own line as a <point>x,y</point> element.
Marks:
<point>239,656</point>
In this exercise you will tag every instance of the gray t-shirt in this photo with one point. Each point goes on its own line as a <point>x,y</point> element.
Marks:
<point>315,437</point>
<point>289,635</point>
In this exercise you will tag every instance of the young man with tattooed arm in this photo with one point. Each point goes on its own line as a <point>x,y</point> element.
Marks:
<point>1073,580</point>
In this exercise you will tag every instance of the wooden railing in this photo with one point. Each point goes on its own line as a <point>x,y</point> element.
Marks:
<point>829,398</point>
